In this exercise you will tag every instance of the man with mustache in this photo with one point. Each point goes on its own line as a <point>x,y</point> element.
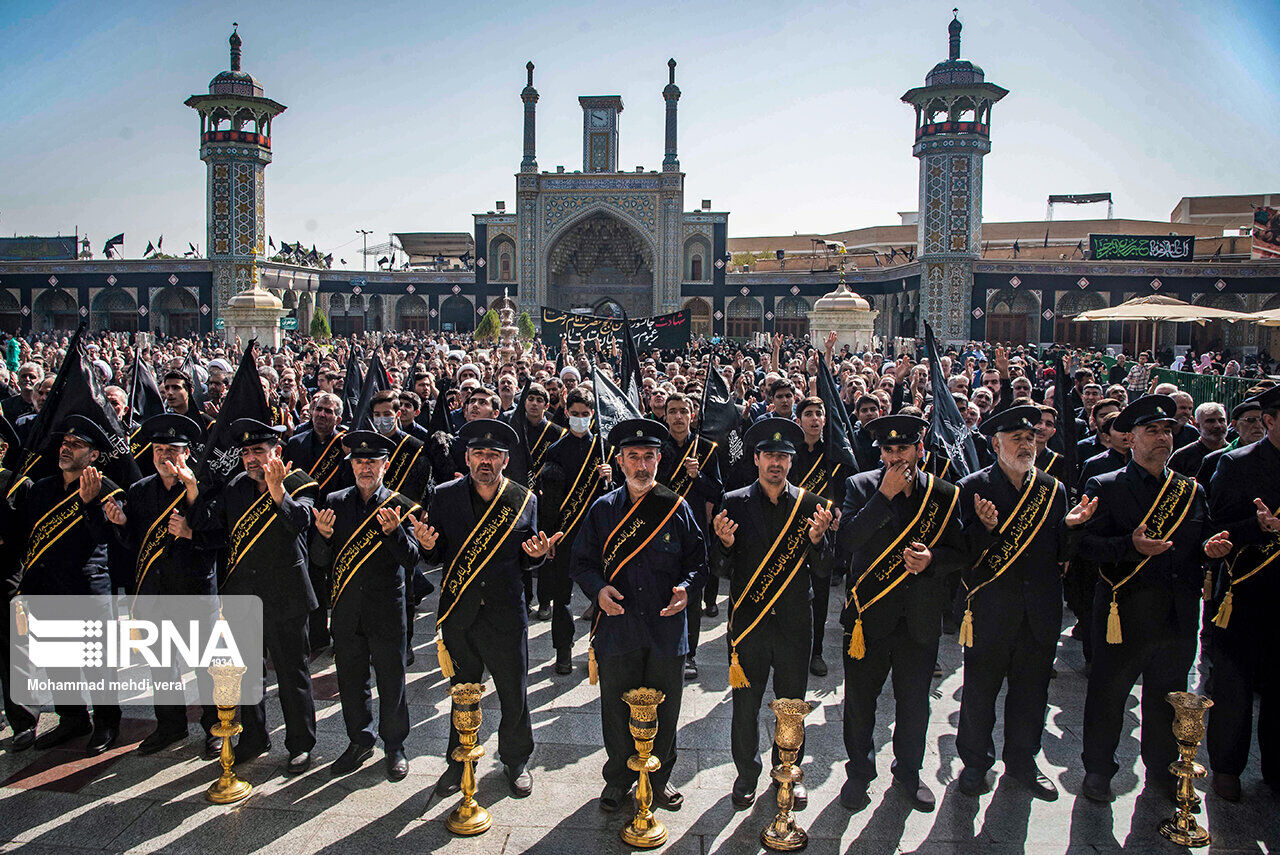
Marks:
<point>1246,420</point>
<point>1019,532</point>
<point>1047,460</point>
<point>1211,421</point>
<point>1150,534</point>
<point>639,575</point>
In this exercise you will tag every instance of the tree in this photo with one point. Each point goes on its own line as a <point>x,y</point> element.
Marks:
<point>320,330</point>
<point>524,324</point>
<point>488,328</point>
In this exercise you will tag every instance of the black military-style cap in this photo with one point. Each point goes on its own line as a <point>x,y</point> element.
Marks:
<point>1249,405</point>
<point>1144,411</point>
<point>897,430</point>
<point>1268,399</point>
<point>630,432</point>
<point>1024,417</point>
<point>774,435</point>
<point>251,432</point>
<point>489,433</point>
<point>170,429</point>
<point>85,429</point>
<point>367,444</point>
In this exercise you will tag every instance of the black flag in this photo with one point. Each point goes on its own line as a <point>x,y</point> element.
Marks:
<point>199,391</point>
<point>837,434</point>
<point>1066,427</point>
<point>612,404</point>
<point>948,433</point>
<point>150,249</point>
<point>145,400</point>
<point>375,381</point>
<point>630,365</point>
<point>352,385</point>
<point>110,245</point>
<point>439,421</point>
<point>77,390</point>
<point>407,385</point>
<point>220,460</point>
<point>720,420</point>
<point>14,456</point>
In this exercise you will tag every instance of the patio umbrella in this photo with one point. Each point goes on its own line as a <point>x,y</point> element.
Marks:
<point>1156,308</point>
<point>1268,318</point>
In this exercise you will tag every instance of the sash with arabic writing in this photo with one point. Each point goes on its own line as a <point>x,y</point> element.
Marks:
<point>402,462</point>
<point>327,463</point>
<point>701,448</point>
<point>1162,519</point>
<point>937,504</point>
<point>257,518</point>
<point>156,538</point>
<point>62,518</point>
<point>780,565</point>
<point>481,544</point>
<point>364,542</point>
<point>538,450</point>
<point>1015,534</point>
<point>935,463</point>
<point>140,448</point>
<point>1252,559</point>
<point>581,491</point>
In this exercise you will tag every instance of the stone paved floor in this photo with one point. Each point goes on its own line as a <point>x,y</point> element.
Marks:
<point>59,802</point>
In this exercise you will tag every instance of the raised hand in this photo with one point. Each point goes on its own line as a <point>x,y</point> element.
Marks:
<point>1267,521</point>
<point>896,478</point>
<point>725,528</point>
<point>275,472</point>
<point>1082,512</point>
<point>425,534</point>
<point>679,599</point>
<point>539,545</point>
<point>388,519</point>
<point>605,472</point>
<point>609,600</point>
<point>1218,546</point>
<point>916,557</point>
<point>90,484</point>
<point>1149,546</point>
<point>114,512</point>
<point>325,519</point>
<point>819,523</point>
<point>986,511</point>
<point>691,466</point>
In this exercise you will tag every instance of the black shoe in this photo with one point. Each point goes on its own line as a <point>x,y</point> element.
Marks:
<point>1226,786</point>
<point>743,794</point>
<point>690,668</point>
<point>160,740</point>
<point>973,782</point>
<point>854,796</point>
<point>63,733</point>
<point>799,795</point>
<point>448,783</point>
<point>298,763</point>
<point>611,798</point>
<point>410,657</point>
<point>544,613</point>
<point>920,796</point>
<point>817,666</point>
<point>212,747</point>
<point>521,780</point>
<point>937,670</point>
<point>712,610</point>
<point>1097,788</point>
<point>23,739</point>
<point>104,736</point>
<point>244,753</point>
<point>1034,780</point>
<point>564,661</point>
<point>397,764</point>
<point>669,799</point>
<point>351,759</point>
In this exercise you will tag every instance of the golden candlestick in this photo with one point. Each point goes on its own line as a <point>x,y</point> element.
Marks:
<point>782,834</point>
<point>468,818</point>
<point>226,695</point>
<point>644,831</point>
<point>1188,730</point>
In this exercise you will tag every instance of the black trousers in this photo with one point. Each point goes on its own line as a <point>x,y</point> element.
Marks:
<point>1240,669</point>
<point>1077,590</point>
<point>285,641</point>
<point>784,650</point>
<point>556,588</point>
<point>505,652</point>
<point>912,664</point>
<point>821,600</point>
<point>318,623</point>
<point>20,718</point>
<point>105,714</point>
<point>1027,665</point>
<point>359,644</point>
<point>710,591</point>
<point>618,674</point>
<point>1161,657</point>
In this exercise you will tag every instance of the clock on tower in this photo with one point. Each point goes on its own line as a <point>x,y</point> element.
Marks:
<point>600,132</point>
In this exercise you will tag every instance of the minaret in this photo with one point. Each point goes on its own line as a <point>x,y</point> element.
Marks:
<point>671,94</point>
<point>235,142</point>
<point>530,98</point>
<point>953,124</point>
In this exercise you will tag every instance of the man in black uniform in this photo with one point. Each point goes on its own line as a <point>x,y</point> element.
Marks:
<point>364,536</point>
<point>65,552</point>
<point>1246,420</point>
<point>13,510</point>
<point>486,542</point>
<point>640,576</point>
<point>769,568</point>
<point>1047,460</point>
<point>690,468</point>
<point>153,526</point>
<point>900,530</point>
<point>263,515</point>
<point>537,434</point>
<point>1149,536</point>
<point>1243,500</point>
<point>576,472</point>
<point>1019,533</point>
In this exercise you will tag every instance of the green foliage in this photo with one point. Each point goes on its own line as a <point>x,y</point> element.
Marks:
<point>488,328</point>
<point>525,324</point>
<point>320,330</point>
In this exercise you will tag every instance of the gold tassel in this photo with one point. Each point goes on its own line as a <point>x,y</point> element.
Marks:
<point>20,618</point>
<point>737,677</point>
<point>857,643</point>
<point>1223,617</point>
<point>1113,623</point>
<point>966,629</point>
<point>1207,593</point>
<point>593,670</point>
<point>446,661</point>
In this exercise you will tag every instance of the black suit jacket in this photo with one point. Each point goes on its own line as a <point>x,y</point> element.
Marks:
<point>1242,475</point>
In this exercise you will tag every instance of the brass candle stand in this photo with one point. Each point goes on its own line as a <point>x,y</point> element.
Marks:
<point>226,696</point>
<point>644,831</point>
<point>1188,730</point>
<point>468,818</point>
<point>782,834</point>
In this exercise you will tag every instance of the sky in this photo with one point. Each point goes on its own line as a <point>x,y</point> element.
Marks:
<point>407,116</point>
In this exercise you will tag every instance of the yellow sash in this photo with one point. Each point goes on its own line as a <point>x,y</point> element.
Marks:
<point>362,544</point>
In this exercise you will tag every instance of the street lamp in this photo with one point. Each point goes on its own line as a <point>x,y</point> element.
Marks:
<point>364,233</point>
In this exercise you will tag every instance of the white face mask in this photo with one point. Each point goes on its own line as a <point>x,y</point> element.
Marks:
<point>384,424</point>
<point>579,424</point>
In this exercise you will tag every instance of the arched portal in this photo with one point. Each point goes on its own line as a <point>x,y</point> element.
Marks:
<point>10,312</point>
<point>699,316</point>
<point>174,312</point>
<point>601,257</point>
<point>113,309</point>
<point>1012,316</point>
<point>55,311</point>
<point>457,315</point>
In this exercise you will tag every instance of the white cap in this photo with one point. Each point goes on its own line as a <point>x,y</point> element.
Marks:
<point>569,369</point>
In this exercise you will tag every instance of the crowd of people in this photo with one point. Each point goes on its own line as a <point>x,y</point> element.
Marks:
<point>1072,479</point>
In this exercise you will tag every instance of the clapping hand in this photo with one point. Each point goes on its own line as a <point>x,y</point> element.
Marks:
<point>1268,521</point>
<point>425,534</point>
<point>725,528</point>
<point>1082,512</point>
<point>114,512</point>
<point>1149,546</point>
<point>679,599</point>
<point>1218,546</point>
<point>819,523</point>
<point>90,484</point>
<point>325,519</point>
<point>389,519</point>
<point>539,545</point>
<point>986,511</point>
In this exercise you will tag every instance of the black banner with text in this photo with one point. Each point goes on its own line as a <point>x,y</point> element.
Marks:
<point>669,332</point>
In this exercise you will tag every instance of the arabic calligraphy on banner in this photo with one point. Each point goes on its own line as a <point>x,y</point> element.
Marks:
<point>669,332</point>
<point>1142,247</point>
